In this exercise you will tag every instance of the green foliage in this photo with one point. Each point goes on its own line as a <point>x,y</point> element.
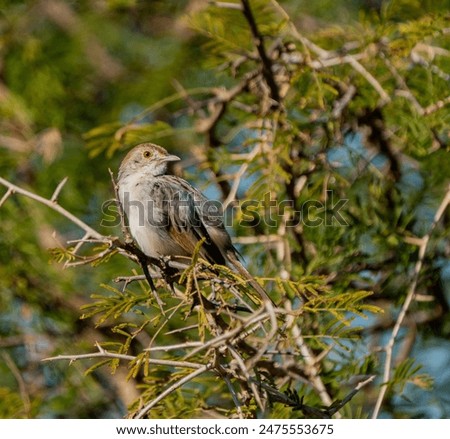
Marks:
<point>406,372</point>
<point>12,405</point>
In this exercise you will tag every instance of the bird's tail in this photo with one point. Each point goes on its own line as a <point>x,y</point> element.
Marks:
<point>251,280</point>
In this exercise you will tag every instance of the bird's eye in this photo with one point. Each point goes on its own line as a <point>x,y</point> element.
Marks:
<point>147,154</point>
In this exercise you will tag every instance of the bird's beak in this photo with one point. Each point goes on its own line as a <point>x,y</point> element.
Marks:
<point>170,158</point>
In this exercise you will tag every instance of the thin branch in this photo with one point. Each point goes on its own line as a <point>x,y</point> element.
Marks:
<point>320,63</point>
<point>237,179</point>
<point>311,369</point>
<point>106,354</point>
<point>218,103</point>
<point>56,207</point>
<point>6,196</point>
<point>129,279</point>
<point>311,412</point>
<point>436,106</point>
<point>369,78</point>
<point>269,337</point>
<point>182,329</point>
<point>257,317</point>
<point>102,354</point>
<point>401,84</point>
<point>337,406</point>
<point>389,347</point>
<point>247,378</point>
<point>83,260</point>
<point>325,55</point>
<point>339,105</point>
<point>226,5</point>
<point>234,396</point>
<point>257,239</point>
<point>172,388</point>
<point>165,348</point>
<point>23,388</point>
<point>58,189</point>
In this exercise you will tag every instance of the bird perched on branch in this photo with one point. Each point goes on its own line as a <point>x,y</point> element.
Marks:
<point>169,217</point>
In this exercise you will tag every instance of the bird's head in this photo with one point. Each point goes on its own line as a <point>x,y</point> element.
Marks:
<point>149,158</point>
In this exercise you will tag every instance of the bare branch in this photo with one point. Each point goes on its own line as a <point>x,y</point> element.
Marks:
<point>247,378</point>
<point>129,279</point>
<point>58,189</point>
<point>106,354</point>
<point>239,174</point>
<point>256,317</point>
<point>340,104</point>
<point>171,389</point>
<point>23,388</point>
<point>56,207</point>
<point>337,406</point>
<point>257,239</point>
<point>389,347</point>
<point>226,5</point>
<point>324,55</point>
<point>311,370</point>
<point>165,348</point>
<point>436,106</point>
<point>234,396</point>
<point>6,196</point>
<point>401,84</point>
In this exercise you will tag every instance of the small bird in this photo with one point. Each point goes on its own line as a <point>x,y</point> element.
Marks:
<point>169,217</point>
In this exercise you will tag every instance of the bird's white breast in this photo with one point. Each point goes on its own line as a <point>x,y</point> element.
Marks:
<point>145,219</point>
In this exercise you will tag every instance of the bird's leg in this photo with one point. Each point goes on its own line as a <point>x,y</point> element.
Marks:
<point>144,265</point>
<point>143,262</point>
<point>170,273</point>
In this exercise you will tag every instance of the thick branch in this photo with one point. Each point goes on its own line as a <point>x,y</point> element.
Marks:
<point>259,42</point>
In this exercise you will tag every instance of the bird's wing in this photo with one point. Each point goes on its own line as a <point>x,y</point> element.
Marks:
<point>190,217</point>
